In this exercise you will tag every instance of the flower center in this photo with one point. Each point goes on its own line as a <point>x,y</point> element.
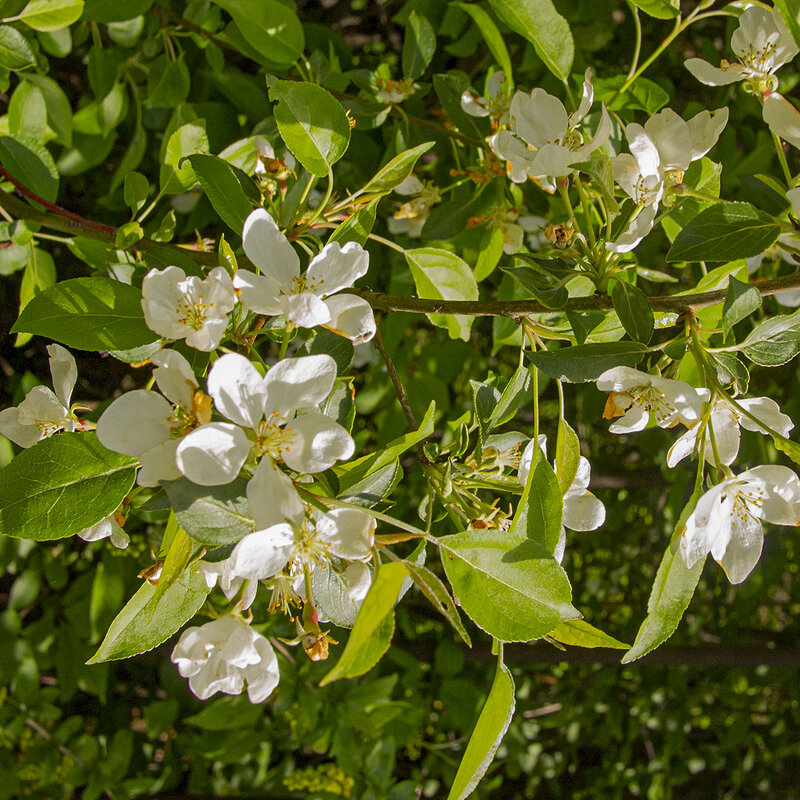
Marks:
<point>193,311</point>
<point>273,438</point>
<point>747,502</point>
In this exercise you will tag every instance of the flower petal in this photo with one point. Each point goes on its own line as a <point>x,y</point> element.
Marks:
<point>318,443</point>
<point>262,678</point>
<point>583,512</point>
<point>351,317</point>
<point>538,118</point>
<point>22,435</point>
<point>213,454</point>
<point>704,130</point>
<point>238,390</point>
<point>766,410</point>
<point>337,268</point>
<point>174,377</point>
<point>135,423</point>
<point>714,76</point>
<point>64,372</point>
<point>672,137</point>
<point>783,118</point>
<point>259,293</point>
<point>305,309</point>
<point>743,550</point>
<point>349,532</point>
<point>269,250</point>
<point>708,526</point>
<point>295,383</point>
<point>272,497</point>
<point>262,554</point>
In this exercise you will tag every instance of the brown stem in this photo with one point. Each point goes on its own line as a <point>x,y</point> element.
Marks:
<point>396,382</point>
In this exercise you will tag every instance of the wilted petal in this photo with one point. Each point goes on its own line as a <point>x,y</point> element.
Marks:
<point>411,185</point>
<point>587,98</point>
<point>337,268</point>
<point>783,118</point>
<point>262,554</point>
<point>64,372</point>
<point>295,383</point>
<point>238,390</point>
<point>317,444</point>
<point>269,250</point>
<point>351,317</point>
<point>174,377</point>
<point>714,76</point>
<point>471,105</point>
<point>305,309</point>
<point>213,454</point>
<point>272,497</point>
<point>259,293</point>
<point>349,532</point>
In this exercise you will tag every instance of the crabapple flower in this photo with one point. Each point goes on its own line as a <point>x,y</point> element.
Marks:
<point>390,91</point>
<point>581,510</point>
<point>549,140</point>
<point>495,106</point>
<point>223,655</point>
<point>148,425</point>
<point>304,301</point>
<point>634,395</point>
<point>783,120</point>
<point>727,519</point>
<point>264,421</point>
<point>177,306</point>
<point>107,528</point>
<point>44,412</point>
<point>410,218</point>
<point>762,44</point>
<point>725,420</point>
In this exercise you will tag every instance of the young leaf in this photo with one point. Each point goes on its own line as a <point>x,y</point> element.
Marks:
<point>672,590</point>
<point>61,486</point>
<point>175,175</point>
<point>15,50</point>
<point>587,362</point>
<point>660,9</point>
<point>222,188</point>
<point>568,455</point>
<point>372,633</point>
<point>510,586</point>
<point>145,623</point>
<point>540,508</point>
<point>51,15</point>
<point>213,515</point>
<point>774,342</point>
<point>27,113</point>
<point>135,190</point>
<point>634,311</point>
<point>419,45</point>
<point>88,314</point>
<point>59,111</point>
<point>725,232</point>
<point>312,123</point>
<point>741,301</point>
<point>176,559</point>
<point>437,594</point>
<point>540,23</point>
<point>357,227</point>
<point>579,633</point>
<point>396,171</point>
<point>132,158</point>
<point>489,731</point>
<point>442,275</point>
<point>31,164</point>
<point>516,392</point>
<point>492,37</point>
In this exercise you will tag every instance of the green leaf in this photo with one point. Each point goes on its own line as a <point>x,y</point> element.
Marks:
<point>436,593</point>
<point>128,234</point>
<point>549,291</point>
<point>374,628</point>
<point>419,45</point>
<point>51,15</point>
<point>31,164</point>
<point>331,596</point>
<point>88,314</point>
<point>634,311</point>
<point>568,455</point>
<point>580,633</point>
<point>516,392</point>
<point>211,514</point>
<point>741,301</point>
<point>145,623</point>
<point>168,82</point>
<point>587,362</point>
<point>176,175</point>
<point>442,275</point>
<point>792,449</point>
<point>510,586</point>
<point>15,49</point>
<point>312,123</point>
<point>774,342</point>
<point>540,23</point>
<point>59,111</point>
<point>61,486</point>
<point>114,10</point>
<point>176,559</point>
<point>356,471</point>
<point>396,171</point>
<point>131,159</point>
<point>672,590</point>
<point>489,730</point>
<point>661,9</point>
<point>790,11</point>
<point>492,37</point>
<point>725,232</point>
<point>357,227</point>
<point>135,190</point>
<point>27,113</point>
<point>270,27</point>
<point>540,508</point>
<point>449,87</point>
<point>223,189</point>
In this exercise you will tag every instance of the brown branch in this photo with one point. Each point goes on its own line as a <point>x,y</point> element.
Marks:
<point>396,382</point>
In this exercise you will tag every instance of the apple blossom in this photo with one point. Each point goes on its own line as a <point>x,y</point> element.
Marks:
<point>727,519</point>
<point>762,43</point>
<point>635,394</point>
<point>410,218</point>
<point>495,106</point>
<point>223,655</point>
<point>107,528</point>
<point>264,421</point>
<point>304,301</point>
<point>177,306</point>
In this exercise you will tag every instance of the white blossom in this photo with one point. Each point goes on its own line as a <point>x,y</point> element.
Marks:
<point>264,420</point>
<point>304,301</point>
<point>410,218</point>
<point>783,120</point>
<point>725,420</point>
<point>762,44</point>
<point>634,395</point>
<point>107,528</point>
<point>495,106</point>
<point>177,306</point>
<point>223,655</point>
<point>727,519</point>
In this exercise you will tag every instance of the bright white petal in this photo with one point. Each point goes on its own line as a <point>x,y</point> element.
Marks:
<point>538,118</point>
<point>295,383</point>
<point>351,317</point>
<point>174,377</point>
<point>708,527</point>
<point>158,464</point>
<point>22,435</point>
<point>672,137</point>
<point>305,309</point>
<point>714,76</point>
<point>262,678</point>
<point>259,293</point>
<point>583,512</point>
<point>262,554</point>
<point>743,550</point>
<point>269,250</point>
<point>238,390</point>
<point>337,268</point>
<point>213,454</point>
<point>766,410</point>
<point>349,532</point>
<point>633,420</point>
<point>358,577</point>
<point>318,443</point>
<point>272,497</point>
<point>44,410</point>
<point>683,446</point>
<point>64,372</point>
<point>135,423</point>
<point>587,98</point>
<point>783,118</point>
<point>704,130</point>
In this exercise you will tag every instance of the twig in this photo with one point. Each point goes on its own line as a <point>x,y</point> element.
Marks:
<point>45,735</point>
<point>396,382</point>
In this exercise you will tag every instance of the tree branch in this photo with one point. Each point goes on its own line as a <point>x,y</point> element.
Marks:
<point>396,382</point>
